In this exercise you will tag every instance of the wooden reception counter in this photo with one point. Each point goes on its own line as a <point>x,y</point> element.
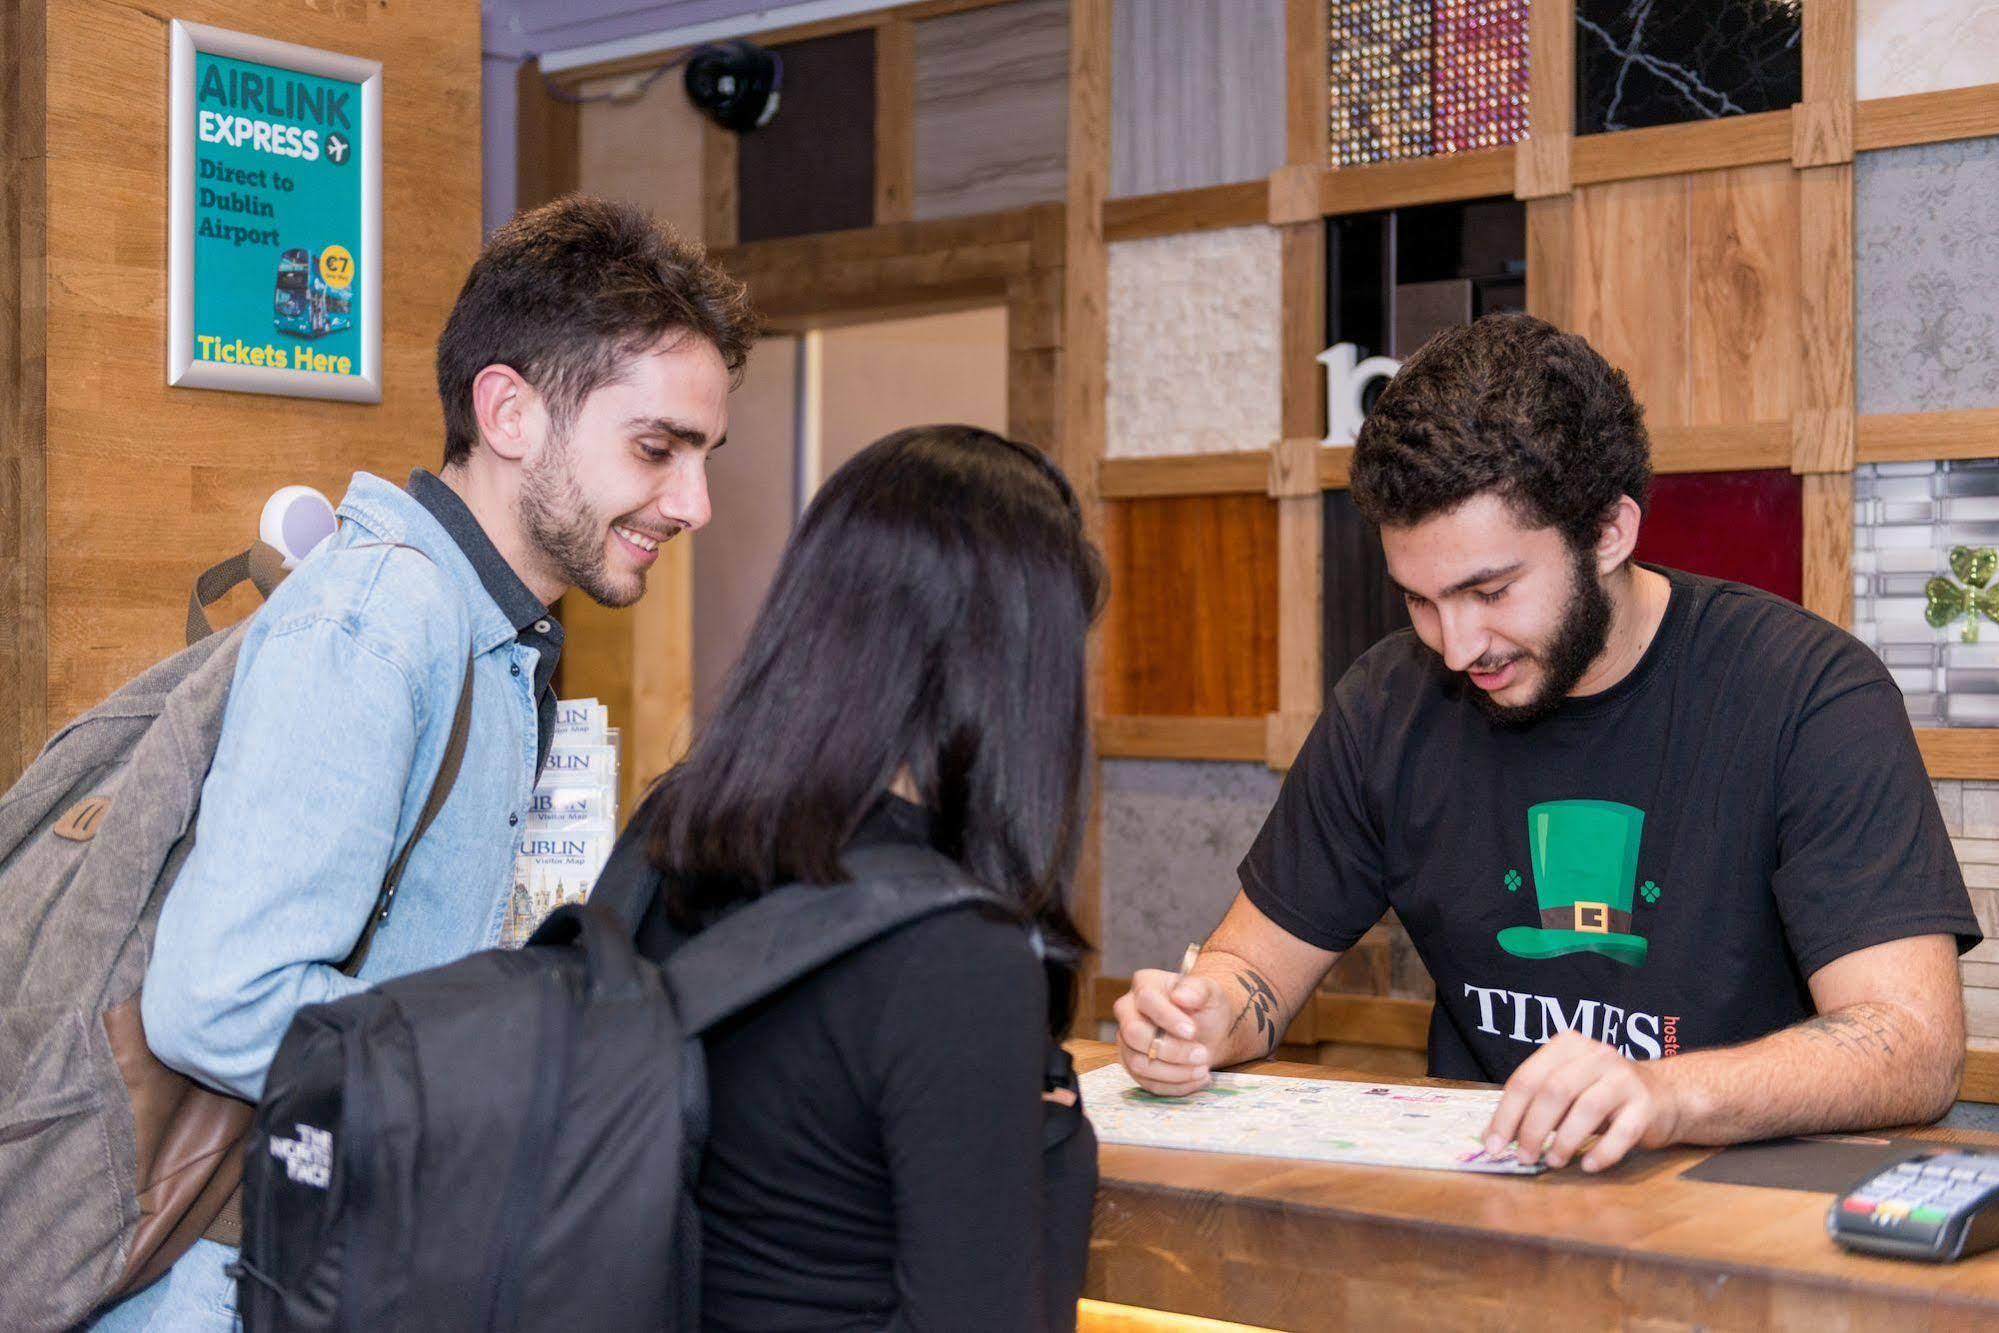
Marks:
<point>1300,1245</point>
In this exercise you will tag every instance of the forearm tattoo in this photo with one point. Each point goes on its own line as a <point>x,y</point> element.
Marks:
<point>1261,1001</point>
<point>1861,1030</point>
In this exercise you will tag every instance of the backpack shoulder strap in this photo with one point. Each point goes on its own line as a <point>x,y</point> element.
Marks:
<point>440,790</point>
<point>793,931</point>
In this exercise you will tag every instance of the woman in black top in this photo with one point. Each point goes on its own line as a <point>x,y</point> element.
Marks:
<point>895,1140</point>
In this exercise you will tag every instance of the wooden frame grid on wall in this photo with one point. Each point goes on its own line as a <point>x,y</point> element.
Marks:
<point>1822,439</point>
<point>1049,265</point>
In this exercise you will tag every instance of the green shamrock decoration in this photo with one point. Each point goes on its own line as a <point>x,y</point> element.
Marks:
<point>1513,881</point>
<point>1974,567</point>
<point>1649,891</point>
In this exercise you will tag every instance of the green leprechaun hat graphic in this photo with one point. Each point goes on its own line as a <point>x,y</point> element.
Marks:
<point>1585,864</point>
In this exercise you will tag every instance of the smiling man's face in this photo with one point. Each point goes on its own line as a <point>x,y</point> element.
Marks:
<point>630,472</point>
<point>1516,609</point>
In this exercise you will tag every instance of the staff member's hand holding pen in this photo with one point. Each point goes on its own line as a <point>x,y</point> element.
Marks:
<point>1230,1001</point>
<point>1169,1025</point>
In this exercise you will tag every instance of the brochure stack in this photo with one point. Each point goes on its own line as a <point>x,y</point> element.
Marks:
<point>572,819</point>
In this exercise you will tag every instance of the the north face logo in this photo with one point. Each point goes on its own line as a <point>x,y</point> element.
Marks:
<point>308,1158</point>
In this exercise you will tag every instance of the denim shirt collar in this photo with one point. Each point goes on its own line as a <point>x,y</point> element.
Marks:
<point>389,513</point>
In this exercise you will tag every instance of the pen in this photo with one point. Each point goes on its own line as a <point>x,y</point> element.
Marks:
<point>1187,961</point>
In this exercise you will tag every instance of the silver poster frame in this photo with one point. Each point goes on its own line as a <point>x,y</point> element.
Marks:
<point>183,369</point>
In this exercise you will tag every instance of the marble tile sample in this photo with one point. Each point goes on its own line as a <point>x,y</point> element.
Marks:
<point>1194,361</point>
<point>992,109</point>
<point>812,169</point>
<point>1480,94</point>
<point>1906,517</point>
<point>1173,833</point>
<point>1926,277</point>
<point>1660,62</point>
<point>1197,93</point>
<point>1379,72</point>
<point>1924,46</point>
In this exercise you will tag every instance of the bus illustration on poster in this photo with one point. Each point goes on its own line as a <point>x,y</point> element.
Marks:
<point>274,217</point>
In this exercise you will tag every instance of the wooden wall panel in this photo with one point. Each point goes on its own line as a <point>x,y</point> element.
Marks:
<point>1196,94</point>
<point>1629,293</point>
<point>992,109</point>
<point>1742,303</point>
<point>1693,285</point>
<point>24,718</point>
<point>147,485</point>
<point>1191,630</point>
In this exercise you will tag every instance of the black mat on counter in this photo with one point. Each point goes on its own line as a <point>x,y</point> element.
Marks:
<point>1822,1164</point>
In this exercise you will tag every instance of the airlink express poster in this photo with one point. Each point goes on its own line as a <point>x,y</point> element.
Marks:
<point>276,218</point>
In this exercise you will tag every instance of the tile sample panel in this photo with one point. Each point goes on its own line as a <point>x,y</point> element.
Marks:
<point>1926,277</point>
<point>1379,72</point>
<point>1173,833</point>
<point>812,169</point>
<point>1194,361</point>
<point>1480,96</point>
<point>1906,517</point>
<point>1191,628</point>
<point>1743,526</point>
<point>992,109</point>
<point>1197,93</point>
<point>1925,46</point>
<point>1661,62</point>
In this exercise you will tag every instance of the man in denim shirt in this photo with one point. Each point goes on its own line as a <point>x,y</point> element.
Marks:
<point>584,374</point>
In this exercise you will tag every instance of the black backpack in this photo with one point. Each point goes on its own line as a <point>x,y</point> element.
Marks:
<point>509,1141</point>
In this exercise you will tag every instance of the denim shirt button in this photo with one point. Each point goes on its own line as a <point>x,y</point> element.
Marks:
<point>515,668</point>
<point>513,819</point>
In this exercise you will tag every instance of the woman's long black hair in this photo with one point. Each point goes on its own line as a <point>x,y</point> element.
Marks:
<point>930,612</point>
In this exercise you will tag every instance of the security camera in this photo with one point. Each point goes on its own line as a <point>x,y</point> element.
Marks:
<point>736,83</point>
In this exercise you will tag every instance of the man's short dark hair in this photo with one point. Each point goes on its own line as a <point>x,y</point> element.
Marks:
<point>1512,405</point>
<point>566,292</point>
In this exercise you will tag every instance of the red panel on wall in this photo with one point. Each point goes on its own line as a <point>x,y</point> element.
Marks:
<point>1745,526</point>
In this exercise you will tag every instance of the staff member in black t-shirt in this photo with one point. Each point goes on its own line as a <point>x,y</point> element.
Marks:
<point>1625,813</point>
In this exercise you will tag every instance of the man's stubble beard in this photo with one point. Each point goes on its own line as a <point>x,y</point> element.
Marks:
<point>565,526</point>
<point>1578,641</point>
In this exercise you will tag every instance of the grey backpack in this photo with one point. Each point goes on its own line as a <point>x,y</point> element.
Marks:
<point>112,1164</point>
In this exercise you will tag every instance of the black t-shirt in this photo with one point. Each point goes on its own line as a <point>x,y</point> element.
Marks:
<point>876,1158</point>
<point>1660,866</point>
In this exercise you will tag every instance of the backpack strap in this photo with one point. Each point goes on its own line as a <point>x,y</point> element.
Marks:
<point>440,790</point>
<point>262,564</point>
<point>792,931</point>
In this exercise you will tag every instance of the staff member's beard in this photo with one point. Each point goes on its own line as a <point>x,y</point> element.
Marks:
<point>1578,641</point>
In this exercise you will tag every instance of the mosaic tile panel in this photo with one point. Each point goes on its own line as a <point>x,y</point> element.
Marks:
<point>1173,832</point>
<point>1480,93</point>
<point>1924,46</point>
<point>1660,62</point>
<point>1745,526</point>
<point>1907,516</point>
<point>1971,816</point>
<point>1194,358</point>
<point>1926,273</point>
<point>1379,68</point>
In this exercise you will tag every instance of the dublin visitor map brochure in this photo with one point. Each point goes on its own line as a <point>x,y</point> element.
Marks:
<point>1317,1120</point>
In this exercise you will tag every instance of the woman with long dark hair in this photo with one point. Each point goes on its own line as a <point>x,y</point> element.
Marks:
<point>895,1141</point>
